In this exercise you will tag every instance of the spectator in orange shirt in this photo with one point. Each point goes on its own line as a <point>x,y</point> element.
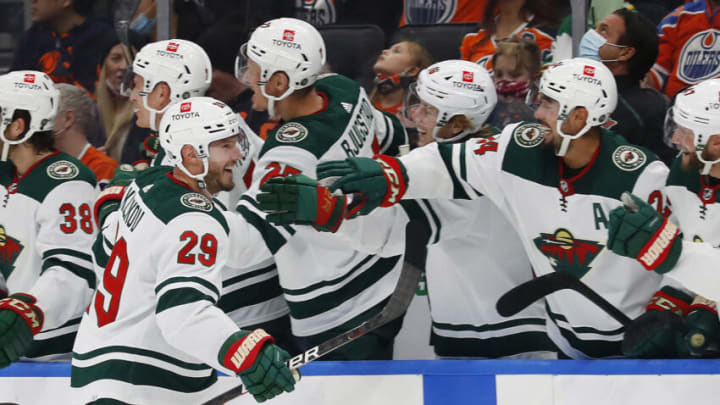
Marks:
<point>76,115</point>
<point>511,18</point>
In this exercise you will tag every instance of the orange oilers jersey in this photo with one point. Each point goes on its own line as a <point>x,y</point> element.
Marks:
<point>101,164</point>
<point>476,48</point>
<point>689,49</point>
<point>442,11</point>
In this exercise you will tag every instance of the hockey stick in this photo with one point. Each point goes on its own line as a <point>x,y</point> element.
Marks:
<point>526,293</point>
<point>416,238</point>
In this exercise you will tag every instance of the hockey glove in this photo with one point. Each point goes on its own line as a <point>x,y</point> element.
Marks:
<point>639,231</point>
<point>109,200</point>
<point>703,336</point>
<point>20,319</point>
<point>300,200</point>
<point>380,181</point>
<point>259,363</point>
<point>660,331</point>
<point>148,150</point>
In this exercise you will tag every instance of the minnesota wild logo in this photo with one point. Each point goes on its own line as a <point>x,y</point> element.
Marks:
<point>10,249</point>
<point>567,254</point>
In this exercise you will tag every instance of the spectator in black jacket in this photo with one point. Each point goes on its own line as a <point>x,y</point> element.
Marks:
<point>64,43</point>
<point>630,49</point>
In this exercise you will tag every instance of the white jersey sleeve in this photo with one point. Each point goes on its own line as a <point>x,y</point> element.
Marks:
<point>188,285</point>
<point>697,269</point>
<point>66,233</point>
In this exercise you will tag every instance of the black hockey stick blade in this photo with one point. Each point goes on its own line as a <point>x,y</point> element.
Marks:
<point>416,238</point>
<point>525,294</point>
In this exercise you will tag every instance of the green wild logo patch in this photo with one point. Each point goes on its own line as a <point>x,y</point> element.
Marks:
<point>62,170</point>
<point>529,135</point>
<point>628,158</point>
<point>10,249</point>
<point>567,254</point>
<point>291,132</point>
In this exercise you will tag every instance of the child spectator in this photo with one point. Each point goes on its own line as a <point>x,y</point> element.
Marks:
<point>510,18</point>
<point>395,69</point>
<point>64,43</point>
<point>517,69</point>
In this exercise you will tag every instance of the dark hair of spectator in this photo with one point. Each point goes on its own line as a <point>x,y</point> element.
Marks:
<point>42,141</point>
<point>641,34</point>
<point>543,13</point>
<point>222,43</point>
<point>83,7</point>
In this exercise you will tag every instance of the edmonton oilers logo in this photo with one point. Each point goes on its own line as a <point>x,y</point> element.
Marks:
<point>429,12</point>
<point>700,57</point>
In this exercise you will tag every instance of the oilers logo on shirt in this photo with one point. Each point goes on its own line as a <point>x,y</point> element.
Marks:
<point>567,254</point>
<point>10,249</point>
<point>429,12</point>
<point>700,57</point>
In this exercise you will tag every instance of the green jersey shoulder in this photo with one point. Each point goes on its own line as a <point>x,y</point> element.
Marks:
<point>47,174</point>
<point>168,198</point>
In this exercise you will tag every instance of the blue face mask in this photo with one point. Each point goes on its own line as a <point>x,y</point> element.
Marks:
<point>143,25</point>
<point>590,45</point>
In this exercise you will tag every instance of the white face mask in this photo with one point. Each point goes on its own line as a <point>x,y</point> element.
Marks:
<point>591,43</point>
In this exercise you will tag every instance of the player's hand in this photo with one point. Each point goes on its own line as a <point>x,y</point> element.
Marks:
<point>259,363</point>
<point>148,150</point>
<point>20,319</point>
<point>380,181</point>
<point>300,200</point>
<point>660,331</point>
<point>639,231</point>
<point>703,336</point>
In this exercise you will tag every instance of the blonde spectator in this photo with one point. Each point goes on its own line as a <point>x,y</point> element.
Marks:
<point>76,116</point>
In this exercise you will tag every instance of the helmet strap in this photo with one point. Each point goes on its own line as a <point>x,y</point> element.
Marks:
<point>153,112</point>
<point>565,144</point>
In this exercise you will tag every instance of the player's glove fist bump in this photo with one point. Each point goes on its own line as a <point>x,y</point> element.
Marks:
<point>639,231</point>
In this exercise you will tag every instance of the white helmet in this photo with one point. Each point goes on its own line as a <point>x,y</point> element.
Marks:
<point>580,82</point>
<point>697,108</point>
<point>31,91</point>
<point>182,65</point>
<point>453,87</point>
<point>283,45</point>
<point>198,122</point>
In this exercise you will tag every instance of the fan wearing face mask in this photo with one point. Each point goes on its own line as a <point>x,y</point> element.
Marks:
<point>627,43</point>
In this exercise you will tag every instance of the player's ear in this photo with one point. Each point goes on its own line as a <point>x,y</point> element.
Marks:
<point>16,129</point>
<point>578,118</point>
<point>190,159</point>
<point>713,146</point>
<point>160,96</point>
<point>278,84</point>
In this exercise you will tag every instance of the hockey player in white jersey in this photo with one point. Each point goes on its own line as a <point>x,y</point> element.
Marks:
<point>152,333</point>
<point>325,118</point>
<point>474,255</point>
<point>46,226</point>
<point>556,183</point>
<point>685,246</point>
<point>164,73</point>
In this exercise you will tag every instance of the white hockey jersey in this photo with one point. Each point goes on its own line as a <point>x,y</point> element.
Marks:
<point>561,219</point>
<point>326,283</point>
<point>152,333</point>
<point>474,257</point>
<point>46,230</point>
<point>695,204</point>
